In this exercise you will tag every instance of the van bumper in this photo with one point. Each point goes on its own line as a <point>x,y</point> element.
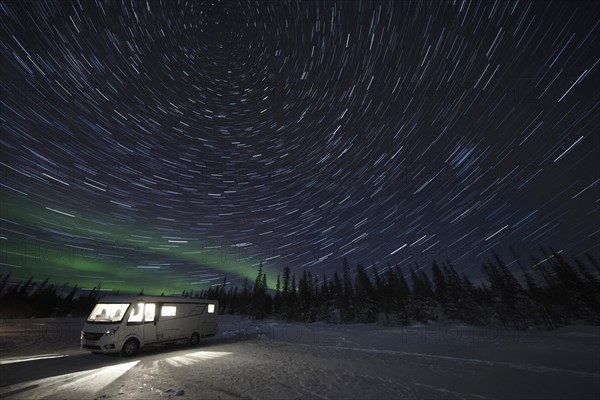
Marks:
<point>97,346</point>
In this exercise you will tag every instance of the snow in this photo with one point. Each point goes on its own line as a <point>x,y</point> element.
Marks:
<point>40,358</point>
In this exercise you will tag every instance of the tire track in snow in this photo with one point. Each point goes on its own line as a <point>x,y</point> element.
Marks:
<point>525,367</point>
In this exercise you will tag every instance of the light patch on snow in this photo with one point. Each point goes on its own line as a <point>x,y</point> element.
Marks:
<point>193,358</point>
<point>12,360</point>
<point>76,385</point>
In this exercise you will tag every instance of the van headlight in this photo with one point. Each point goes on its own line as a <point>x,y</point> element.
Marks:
<point>111,331</point>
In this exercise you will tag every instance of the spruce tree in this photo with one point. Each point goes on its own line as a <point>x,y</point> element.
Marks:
<point>402,295</point>
<point>259,294</point>
<point>348,296</point>
<point>277,298</point>
<point>440,283</point>
<point>364,302</point>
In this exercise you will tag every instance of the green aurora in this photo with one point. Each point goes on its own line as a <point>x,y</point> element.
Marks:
<point>87,249</point>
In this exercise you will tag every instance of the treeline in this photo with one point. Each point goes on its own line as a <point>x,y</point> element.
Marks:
<point>552,293</point>
<point>31,299</point>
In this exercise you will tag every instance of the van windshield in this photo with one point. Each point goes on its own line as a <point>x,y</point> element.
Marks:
<point>108,312</point>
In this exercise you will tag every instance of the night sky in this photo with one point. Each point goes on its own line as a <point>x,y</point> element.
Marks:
<point>166,145</point>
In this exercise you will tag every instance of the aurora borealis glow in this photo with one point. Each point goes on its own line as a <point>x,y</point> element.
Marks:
<point>167,145</point>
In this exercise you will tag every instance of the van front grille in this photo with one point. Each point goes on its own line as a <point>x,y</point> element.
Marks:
<point>92,336</point>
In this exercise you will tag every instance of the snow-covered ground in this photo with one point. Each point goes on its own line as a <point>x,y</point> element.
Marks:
<point>40,358</point>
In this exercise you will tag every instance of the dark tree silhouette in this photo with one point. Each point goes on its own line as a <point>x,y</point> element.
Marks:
<point>550,293</point>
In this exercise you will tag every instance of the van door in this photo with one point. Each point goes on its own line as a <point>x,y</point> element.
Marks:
<point>150,323</point>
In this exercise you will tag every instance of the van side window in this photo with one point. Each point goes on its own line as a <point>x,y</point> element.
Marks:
<point>150,311</point>
<point>211,308</point>
<point>136,313</point>
<point>168,311</point>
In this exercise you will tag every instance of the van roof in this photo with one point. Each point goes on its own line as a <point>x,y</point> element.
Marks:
<point>153,299</point>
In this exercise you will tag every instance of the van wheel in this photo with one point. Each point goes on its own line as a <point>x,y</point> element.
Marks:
<point>194,339</point>
<point>130,348</point>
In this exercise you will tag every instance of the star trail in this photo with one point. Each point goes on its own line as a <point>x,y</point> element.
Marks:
<point>170,144</point>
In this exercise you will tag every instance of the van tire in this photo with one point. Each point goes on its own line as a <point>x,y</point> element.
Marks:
<point>130,348</point>
<point>194,339</point>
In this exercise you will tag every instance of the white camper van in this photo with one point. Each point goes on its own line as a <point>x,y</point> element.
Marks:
<point>126,324</point>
